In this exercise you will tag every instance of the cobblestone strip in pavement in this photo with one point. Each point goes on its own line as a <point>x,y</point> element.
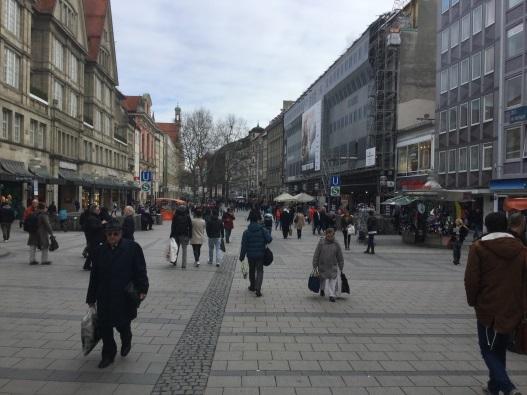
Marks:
<point>189,366</point>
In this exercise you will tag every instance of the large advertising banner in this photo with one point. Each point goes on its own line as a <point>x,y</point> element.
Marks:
<point>311,131</point>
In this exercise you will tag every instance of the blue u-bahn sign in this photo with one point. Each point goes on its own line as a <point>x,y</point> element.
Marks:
<point>334,181</point>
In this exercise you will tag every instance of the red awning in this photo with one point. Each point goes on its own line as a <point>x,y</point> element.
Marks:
<point>515,204</point>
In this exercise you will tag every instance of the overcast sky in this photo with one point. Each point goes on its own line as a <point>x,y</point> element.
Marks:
<point>232,56</point>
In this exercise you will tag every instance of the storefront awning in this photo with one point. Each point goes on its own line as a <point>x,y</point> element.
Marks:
<point>43,174</point>
<point>88,180</point>
<point>5,176</point>
<point>111,183</point>
<point>400,200</point>
<point>70,176</point>
<point>17,169</point>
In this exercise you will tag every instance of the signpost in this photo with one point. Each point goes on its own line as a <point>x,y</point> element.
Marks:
<point>335,191</point>
<point>146,176</point>
<point>146,187</point>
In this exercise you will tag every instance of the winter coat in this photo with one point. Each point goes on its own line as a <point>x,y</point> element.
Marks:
<point>128,227</point>
<point>7,214</point>
<point>198,231</point>
<point>371,224</point>
<point>285,219</point>
<point>254,240</point>
<point>268,220</point>
<point>214,228</point>
<point>460,233</point>
<point>63,215</point>
<point>112,271</point>
<point>94,229</point>
<point>41,237</point>
<point>316,218</point>
<point>300,220</point>
<point>328,256</point>
<point>181,224</point>
<point>228,220</point>
<point>494,280</point>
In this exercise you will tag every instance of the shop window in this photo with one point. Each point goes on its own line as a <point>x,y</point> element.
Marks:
<point>413,158</point>
<point>512,143</point>
<point>452,161</point>
<point>465,71</point>
<point>475,112</point>
<point>487,156</point>
<point>513,91</point>
<point>462,166</point>
<point>515,40</point>
<point>425,154</point>
<point>488,104</point>
<point>474,158</point>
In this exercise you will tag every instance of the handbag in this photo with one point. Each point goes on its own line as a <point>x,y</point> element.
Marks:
<point>268,257</point>
<point>53,245</point>
<point>345,285</point>
<point>313,283</point>
<point>222,245</point>
<point>351,229</point>
<point>132,294</point>
<point>244,269</point>
<point>89,331</point>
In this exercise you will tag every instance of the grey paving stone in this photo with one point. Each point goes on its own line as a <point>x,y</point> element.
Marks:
<point>385,391</point>
<point>326,381</point>
<point>258,381</point>
<point>59,388</point>
<point>313,391</point>
<point>133,389</point>
<point>224,381</point>
<point>293,381</point>
<point>23,386</point>
<point>420,391</point>
<point>277,391</point>
<point>241,391</point>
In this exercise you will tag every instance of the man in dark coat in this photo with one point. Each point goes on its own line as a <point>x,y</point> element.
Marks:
<point>7,217</point>
<point>94,228</point>
<point>181,231</point>
<point>285,221</point>
<point>371,225</point>
<point>117,263</point>
<point>128,223</point>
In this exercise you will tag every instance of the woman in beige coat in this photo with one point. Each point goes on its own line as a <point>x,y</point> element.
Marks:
<point>300,222</point>
<point>329,262</point>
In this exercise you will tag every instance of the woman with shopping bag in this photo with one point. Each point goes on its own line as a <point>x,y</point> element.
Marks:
<point>329,262</point>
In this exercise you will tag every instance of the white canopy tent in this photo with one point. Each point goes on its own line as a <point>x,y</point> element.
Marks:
<point>304,198</point>
<point>284,197</point>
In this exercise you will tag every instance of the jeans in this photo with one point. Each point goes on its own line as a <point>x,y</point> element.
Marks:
<point>6,230</point>
<point>371,244</point>
<point>109,348</point>
<point>227,235</point>
<point>33,253</point>
<point>182,242</point>
<point>493,347</point>
<point>457,251</point>
<point>196,249</point>
<point>256,273</point>
<point>214,244</point>
<point>299,233</point>
<point>269,229</point>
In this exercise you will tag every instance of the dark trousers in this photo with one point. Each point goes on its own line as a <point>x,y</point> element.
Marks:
<point>256,273</point>
<point>285,231</point>
<point>228,235</point>
<point>299,233</point>
<point>493,347</point>
<point>269,229</point>
<point>371,244</point>
<point>6,230</point>
<point>109,348</point>
<point>457,250</point>
<point>347,238</point>
<point>196,249</point>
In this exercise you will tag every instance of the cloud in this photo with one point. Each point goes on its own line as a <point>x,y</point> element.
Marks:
<point>232,56</point>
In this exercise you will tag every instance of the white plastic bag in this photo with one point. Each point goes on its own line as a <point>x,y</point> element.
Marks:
<point>245,269</point>
<point>351,229</point>
<point>172,251</point>
<point>89,332</point>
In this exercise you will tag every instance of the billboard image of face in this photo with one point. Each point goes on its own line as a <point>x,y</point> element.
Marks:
<point>311,130</point>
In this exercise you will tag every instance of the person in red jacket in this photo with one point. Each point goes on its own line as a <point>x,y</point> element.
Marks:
<point>228,224</point>
<point>30,210</point>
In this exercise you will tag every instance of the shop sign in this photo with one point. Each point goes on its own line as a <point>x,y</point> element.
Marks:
<point>67,165</point>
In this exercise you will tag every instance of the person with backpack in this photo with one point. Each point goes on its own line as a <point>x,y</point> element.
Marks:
<point>254,241</point>
<point>268,221</point>
<point>39,229</point>
<point>215,233</point>
<point>181,231</point>
<point>7,217</point>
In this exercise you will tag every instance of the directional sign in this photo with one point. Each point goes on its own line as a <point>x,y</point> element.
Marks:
<point>335,191</point>
<point>145,187</point>
<point>146,176</point>
<point>335,181</point>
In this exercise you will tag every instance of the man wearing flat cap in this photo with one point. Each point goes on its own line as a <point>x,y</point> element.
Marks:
<point>118,272</point>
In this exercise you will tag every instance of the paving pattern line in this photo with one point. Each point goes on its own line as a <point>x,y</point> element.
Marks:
<point>354,334</point>
<point>373,373</point>
<point>318,314</point>
<point>188,368</point>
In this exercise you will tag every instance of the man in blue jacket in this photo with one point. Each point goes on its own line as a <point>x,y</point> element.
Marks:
<point>254,240</point>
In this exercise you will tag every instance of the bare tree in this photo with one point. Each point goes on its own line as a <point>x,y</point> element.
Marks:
<point>197,139</point>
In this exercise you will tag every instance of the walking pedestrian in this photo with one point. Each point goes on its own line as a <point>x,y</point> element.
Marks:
<point>254,241</point>
<point>94,228</point>
<point>63,218</point>
<point>119,268</point>
<point>316,221</point>
<point>300,222</point>
<point>329,262</point>
<point>459,233</point>
<point>30,210</point>
<point>371,227</point>
<point>215,232</point>
<point>39,230</point>
<point>277,217</point>
<point>494,284</point>
<point>346,222</point>
<point>285,222</point>
<point>268,221</point>
<point>324,220</point>
<point>52,209</point>
<point>82,222</point>
<point>228,224</point>
<point>198,231</point>
<point>181,231</point>
<point>7,217</point>
<point>128,229</point>
<point>517,226</point>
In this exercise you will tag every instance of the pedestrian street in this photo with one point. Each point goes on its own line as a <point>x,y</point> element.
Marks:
<point>405,329</point>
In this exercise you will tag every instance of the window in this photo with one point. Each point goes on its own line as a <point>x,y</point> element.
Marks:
<point>98,88</point>
<point>454,34</point>
<point>33,131</point>
<point>515,40</point>
<point>465,28</point>
<point>6,123</point>
<point>68,16</point>
<point>462,165</point>
<point>444,81</point>
<point>425,155</point>
<point>58,54</point>
<point>454,2</point>
<point>475,110</point>
<point>445,4</point>
<point>444,41</point>
<point>58,94</point>
<point>463,115</point>
<point>413,158</point>
<point>454,76</point>
<point>97,121</point>
<point>512,143</point>
<point>11,68</point>
<point>476,66</point>
<point>41,139</point>
<point>17,128</point>
<point>514,3</point>
<point>489,60</point>
<point>12,14</point>
<point>474,158</point>
<point>477,19</point>
<point>453,119</point>
<point>487,156</point>
<point>452,161</point>
<point>74,102</point>
<point>488,107</point>
<point>465,71</point>
<point>513,91</point>
<point>490,12</point>
<point>73,68</point>
<point>442,162</point>
<point>443,122</point>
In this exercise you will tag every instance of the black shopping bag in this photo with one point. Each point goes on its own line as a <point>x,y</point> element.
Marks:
<point>345,284</point>
<point>314,281</point>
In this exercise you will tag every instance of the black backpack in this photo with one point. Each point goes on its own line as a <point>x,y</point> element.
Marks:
<point>31,223</point>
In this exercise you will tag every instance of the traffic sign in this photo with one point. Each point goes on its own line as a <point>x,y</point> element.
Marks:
<point>145,187</point>
<point>335,191</point>
<point>146,176</point>
<point>335,181</point>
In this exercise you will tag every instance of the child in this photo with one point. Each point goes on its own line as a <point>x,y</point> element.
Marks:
<point>329,261</point>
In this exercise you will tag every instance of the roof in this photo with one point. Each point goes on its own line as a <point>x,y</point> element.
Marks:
<point>130,103</point>
<point>45,6</point>
<point>170,129</point>
<point>95,13</point>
